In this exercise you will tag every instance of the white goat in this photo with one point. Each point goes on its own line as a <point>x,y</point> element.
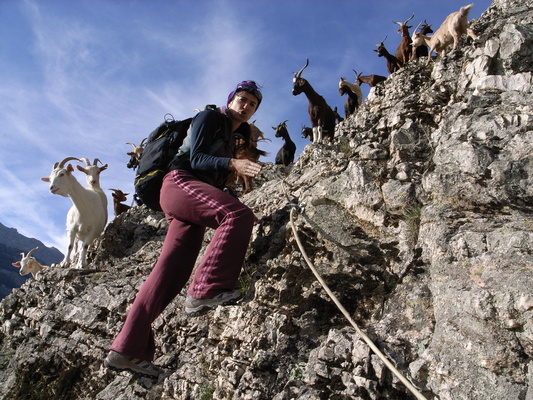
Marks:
<point>92,175</point>
<point>29,264</point>
<point>454,26</point>
<point>86,218</point>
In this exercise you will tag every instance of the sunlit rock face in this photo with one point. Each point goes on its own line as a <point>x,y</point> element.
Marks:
<point>418,217</point>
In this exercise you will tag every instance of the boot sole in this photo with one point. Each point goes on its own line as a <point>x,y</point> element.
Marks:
<point>206,308</point>
<point>112,368</point>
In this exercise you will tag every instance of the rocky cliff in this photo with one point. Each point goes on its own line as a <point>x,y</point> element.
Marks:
<point>418,217</point>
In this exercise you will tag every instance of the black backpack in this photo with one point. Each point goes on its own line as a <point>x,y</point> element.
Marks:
<point>160,148</point>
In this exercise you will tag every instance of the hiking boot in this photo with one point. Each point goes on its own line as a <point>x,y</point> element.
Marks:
<point>118,361</point>
<point>197,306</point>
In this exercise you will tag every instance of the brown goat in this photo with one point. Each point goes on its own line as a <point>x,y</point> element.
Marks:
<point>246,149</point>
<point>403,52</point>
<point>118,207</point>
<point>320,113</point>
<point>393,64</point>
<point>286,154</point>
<point>371,80</point>
<point>307,133</point>
<point>338,117</point>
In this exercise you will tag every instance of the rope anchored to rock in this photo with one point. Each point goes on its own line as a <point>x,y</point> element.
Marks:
<point>297,208</point>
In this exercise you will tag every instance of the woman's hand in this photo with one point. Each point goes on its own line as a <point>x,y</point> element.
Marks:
<point>244,167</point>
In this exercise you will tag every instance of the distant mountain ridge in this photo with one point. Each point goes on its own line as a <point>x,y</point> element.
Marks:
<point>12,244</point>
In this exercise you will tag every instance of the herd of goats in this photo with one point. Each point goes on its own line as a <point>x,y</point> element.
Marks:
<point>87,217</point>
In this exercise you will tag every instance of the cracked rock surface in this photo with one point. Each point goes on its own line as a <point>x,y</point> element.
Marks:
<point>419,218</point>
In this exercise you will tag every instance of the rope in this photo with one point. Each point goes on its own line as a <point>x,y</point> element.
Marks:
<point>374,348</point>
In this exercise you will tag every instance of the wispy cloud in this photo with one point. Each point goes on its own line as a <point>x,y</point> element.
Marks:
<point>83,78</point>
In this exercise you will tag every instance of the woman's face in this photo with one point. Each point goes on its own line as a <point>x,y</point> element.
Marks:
<point>242,106</point>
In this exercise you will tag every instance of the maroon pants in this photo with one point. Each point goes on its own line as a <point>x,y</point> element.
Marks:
<point>190,206</point>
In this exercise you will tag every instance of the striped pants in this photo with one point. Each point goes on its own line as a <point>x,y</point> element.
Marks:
<point>190,207</point>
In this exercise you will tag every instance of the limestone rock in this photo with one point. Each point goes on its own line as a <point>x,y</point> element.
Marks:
<point>418,217</point>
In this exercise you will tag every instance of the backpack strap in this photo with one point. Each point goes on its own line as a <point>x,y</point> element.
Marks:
<point>219,136</point>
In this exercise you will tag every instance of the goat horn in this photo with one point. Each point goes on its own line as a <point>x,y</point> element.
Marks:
<point>86,161</point>
<point>132,145</point>
<point>144,140</point>
<point>115,190</point>
<point>97,160</point>
<point>383,41</point>
<point>62,162</point>
<point>407,20</point>
<point>31,252</point>
<point>297,75</point>
<point>417,26</point>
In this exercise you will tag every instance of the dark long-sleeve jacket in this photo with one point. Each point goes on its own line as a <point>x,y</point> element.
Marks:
<point>208,147</point>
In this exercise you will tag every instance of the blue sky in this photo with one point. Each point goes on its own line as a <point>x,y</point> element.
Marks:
<point>83,77</point>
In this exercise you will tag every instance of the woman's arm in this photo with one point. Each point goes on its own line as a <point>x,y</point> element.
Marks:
<point>205,129</point>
